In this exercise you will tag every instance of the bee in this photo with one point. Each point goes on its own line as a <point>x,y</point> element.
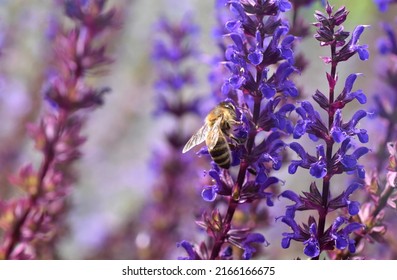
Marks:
<point>217,126</point>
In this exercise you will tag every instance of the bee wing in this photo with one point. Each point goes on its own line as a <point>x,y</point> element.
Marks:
<point>197,138</point>
<point>213,134</point>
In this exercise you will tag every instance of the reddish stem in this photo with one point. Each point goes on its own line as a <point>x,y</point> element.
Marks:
<point>233,200</point>
<point>326,181</point>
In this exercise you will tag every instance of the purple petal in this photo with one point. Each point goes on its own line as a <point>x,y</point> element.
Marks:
<point>294,166</point>
<point>209,194</point>
<point>360,96</point>
<point>268,91</point>
<point>285,242</point>
<point>363,136</point>
<point>291,196</point>
<point>313,229</point>
<point>308,108</point>
<point>256,58</point>
<point>255,237</point>
<point>340,242</point>
<point>360,152</point>
<point>318,169</point>
<point>320,151</point>
<point>237,9</point>
<point>284,5</point>
<point>350,82</point>
<point>349,161</point>
<point>338,135</point>
<point>188,248</point>
<point>352,188</point>
<point>237,40</point>
<point>352,227</point>
<point>287,41</point>
<point>283,71</point>
<point>339,221</point>
<point>361,172</point>
<point>363,52</point>
<point>352,246</point>
<point>353,207</point>
<point>252,238</point>
<point>312,249</point>
<point>357,33</point>
<point>233,25</point>
<point>300,129</point>
<point>297,148</point>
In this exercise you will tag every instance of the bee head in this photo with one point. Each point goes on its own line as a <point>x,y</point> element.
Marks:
<point>228,105</point>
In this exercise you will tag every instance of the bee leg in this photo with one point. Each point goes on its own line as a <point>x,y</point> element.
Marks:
<point>234,122</point>
<point>237,141</point>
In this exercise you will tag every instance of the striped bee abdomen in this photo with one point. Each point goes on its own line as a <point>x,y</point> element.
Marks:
<point>221,153</point>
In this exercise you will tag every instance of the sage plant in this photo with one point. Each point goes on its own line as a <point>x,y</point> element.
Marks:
<point>380,194</point>
<point>32,222</point>
<point>336,153</point>
<point>174,50</point>
<point>259,42</point>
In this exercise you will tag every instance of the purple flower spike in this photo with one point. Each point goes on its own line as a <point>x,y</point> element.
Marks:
<point>32,224</point>
<point>329,161</point>
<point>174,55</point>
<point>259,43</point>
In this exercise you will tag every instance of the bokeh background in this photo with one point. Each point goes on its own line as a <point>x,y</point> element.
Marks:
<point>115,174</point>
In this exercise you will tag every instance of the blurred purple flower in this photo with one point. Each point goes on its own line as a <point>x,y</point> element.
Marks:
<point>383,5</point>
<point>32,223</point>
<point>173,56</point>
